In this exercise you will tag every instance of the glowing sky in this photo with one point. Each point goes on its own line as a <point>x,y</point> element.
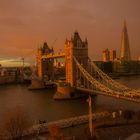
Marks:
<point>26,24</point>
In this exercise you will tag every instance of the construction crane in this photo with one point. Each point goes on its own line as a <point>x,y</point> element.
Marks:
<point>53,42</point>
<point>22,59</point>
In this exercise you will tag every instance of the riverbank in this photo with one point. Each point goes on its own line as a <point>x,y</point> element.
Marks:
<point>119,75</point>
<point>106,126</point>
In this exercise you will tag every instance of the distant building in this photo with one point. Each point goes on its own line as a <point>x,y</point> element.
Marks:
<point>109,55</point>
<point>123,64</point>
<point>125,54</point>
<point>119,67</point>
<point>58,64</point>
<point>106,55</point>
<point>112,55</point>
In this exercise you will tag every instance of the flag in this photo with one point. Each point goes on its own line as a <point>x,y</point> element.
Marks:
<point>90,115</point>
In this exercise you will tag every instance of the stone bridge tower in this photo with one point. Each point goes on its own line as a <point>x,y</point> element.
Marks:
<point>45,66</point>
<point>78,48</point>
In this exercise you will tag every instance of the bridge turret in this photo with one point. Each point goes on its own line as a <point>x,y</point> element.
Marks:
<point>86,41</point>
<point>52,50</point>
<point>45,49</point>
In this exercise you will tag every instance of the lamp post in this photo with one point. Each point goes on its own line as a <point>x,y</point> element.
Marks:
<point>22,62</point>
<point>90,116</point>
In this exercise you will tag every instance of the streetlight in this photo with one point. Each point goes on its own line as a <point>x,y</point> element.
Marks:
<point>90,116</point>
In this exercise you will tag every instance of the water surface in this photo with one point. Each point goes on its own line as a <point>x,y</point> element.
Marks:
<point>39,104</point>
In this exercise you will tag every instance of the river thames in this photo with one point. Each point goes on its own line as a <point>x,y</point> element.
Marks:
<point>40,105</point>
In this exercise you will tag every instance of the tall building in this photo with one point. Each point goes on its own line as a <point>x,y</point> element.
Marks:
<point>112,55</point>
<point>106,55</point>
<point>125,49</point>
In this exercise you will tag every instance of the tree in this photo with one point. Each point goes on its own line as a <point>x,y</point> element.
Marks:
<point>16,122</point>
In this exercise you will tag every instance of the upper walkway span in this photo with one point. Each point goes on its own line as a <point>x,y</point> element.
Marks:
<point>54,55</point>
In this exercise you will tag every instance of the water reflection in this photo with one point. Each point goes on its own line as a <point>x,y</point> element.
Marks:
<point>40,105</point>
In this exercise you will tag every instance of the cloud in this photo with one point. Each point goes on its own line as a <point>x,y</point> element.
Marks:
<point>24,24</point>
<point>9,21</point>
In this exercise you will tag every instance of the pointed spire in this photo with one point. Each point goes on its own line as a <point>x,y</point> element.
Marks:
<point>86,41</point>
<point>124,26</point>
<point>125,49</point>
<point>52,50</point>
<point>124,23</point>
<point>66,40</point>
<point>76,31</point>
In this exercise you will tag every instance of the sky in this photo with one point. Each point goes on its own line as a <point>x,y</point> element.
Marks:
<point>26,24</point>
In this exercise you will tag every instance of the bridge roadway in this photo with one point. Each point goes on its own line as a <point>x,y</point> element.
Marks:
<point>95,92</point>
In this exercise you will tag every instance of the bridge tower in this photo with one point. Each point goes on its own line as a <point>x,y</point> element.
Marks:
<point>45,66</point>
<point>79,49</point>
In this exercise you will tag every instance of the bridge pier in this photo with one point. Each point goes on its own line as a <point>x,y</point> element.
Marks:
<point>65,91</point>
<point>36,84</point>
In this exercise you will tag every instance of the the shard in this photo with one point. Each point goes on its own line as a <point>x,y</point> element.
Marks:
<point>125,49</point>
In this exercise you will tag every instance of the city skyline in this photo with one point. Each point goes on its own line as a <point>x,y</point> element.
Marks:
<point>26,25</point>
<point>69,69</point>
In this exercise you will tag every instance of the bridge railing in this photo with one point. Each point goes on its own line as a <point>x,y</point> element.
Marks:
<point>53,55</point>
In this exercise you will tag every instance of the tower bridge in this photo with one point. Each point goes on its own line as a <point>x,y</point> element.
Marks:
<point>81,73</point>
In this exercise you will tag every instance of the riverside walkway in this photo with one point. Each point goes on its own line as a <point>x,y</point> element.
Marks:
<point>65,123</point>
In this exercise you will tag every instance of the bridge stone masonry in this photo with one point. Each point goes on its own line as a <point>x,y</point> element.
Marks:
<point>75,47</point>
<point>82,75</point>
